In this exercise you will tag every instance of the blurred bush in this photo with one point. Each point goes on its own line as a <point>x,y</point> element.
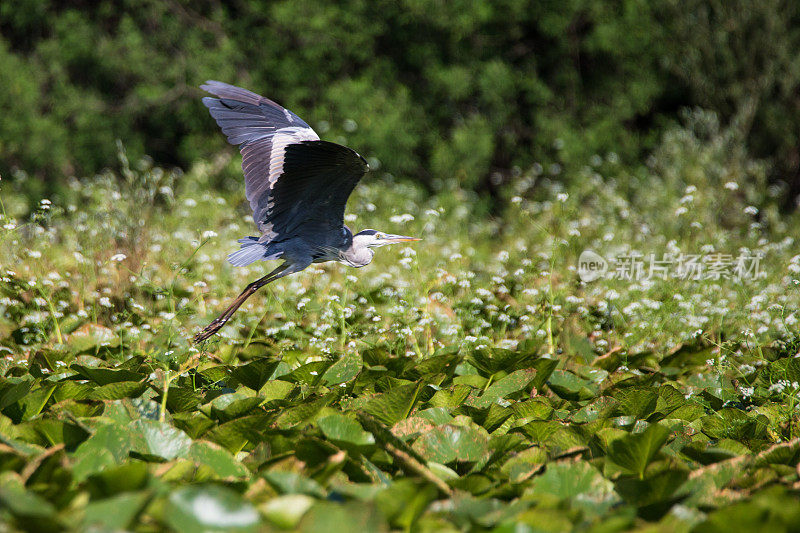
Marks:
<point>440,92</point>
<point>740,58</point>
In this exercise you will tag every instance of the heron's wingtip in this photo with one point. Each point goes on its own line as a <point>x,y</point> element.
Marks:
<point>211,86</point>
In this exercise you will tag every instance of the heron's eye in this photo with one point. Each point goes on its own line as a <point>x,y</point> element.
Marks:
<point>380,236</point>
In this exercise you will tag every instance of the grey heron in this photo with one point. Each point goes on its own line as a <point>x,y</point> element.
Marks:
<point>297,186</point>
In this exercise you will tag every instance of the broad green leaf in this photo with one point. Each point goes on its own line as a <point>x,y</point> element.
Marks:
<point>255,373</point>
<point>514,382</point>
<point>669,400</point>
<point>636,402</point>
<point>540,430</point>
<point>786,453</point>
<point>218,460</point>
<point>570,387</point>
<point>348,517</point>
<point>194,423</point>
<point>210,508</point>
<point>33,403</point>
<point>236,408</point>
<point>293,483</point>
<point>21,502</point>
<point>442,472</point>
<point>118,391</point>
<point>544,369</point>
<point>161,439</point>
<point>538,408</point>
<point>182,399</point>
<point>689,355</point>
<point>735,424</point>
<point>579,482</point>
<point>104,376</point>
<point>303,413</point>
<point>286,511</point>
<point>340,428</point>
<point>412,427</point>
<point>404,501</point>
<point>53,432</point>
<point>117,439</point>
<point>113,438</point>
<point>395,404</point>
<point>113,480</point>
<point>344,369</point>
<point>88,463</point>
<point>635,451</point>
<point>773,509</point>
<point>449,443</point>
<point>276,390</point>
<point>450,398</point>
<point>493,360</point>
<point>659,488</point>
<point>72,390</point>
<point>476,381</point>
<point>437,415</point>
<point>235,434</point>
<point>13,391</point>
<point>524,464</point>
<point>437,364</point>
<point>309,373</point>
<point>115,513</point>
<point>386,437</point>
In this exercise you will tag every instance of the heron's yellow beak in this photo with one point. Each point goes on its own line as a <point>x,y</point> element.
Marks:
<point>390,239</point>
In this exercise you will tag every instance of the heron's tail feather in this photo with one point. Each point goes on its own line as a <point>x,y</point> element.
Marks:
<point>250,252</point>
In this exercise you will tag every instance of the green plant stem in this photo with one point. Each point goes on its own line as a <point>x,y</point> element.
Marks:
<point>162,411</point>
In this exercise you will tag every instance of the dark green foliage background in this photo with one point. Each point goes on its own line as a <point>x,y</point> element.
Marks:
<point>438,90</point>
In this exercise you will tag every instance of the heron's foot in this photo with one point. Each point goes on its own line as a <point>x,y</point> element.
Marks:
<point>211,329</point>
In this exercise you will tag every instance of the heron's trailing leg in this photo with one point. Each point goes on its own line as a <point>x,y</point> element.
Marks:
<point>220,321</point>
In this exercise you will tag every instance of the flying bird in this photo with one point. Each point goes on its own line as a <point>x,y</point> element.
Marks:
<point>297,186</point>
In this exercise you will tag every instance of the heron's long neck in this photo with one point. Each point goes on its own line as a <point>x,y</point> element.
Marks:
<point>357,255</point>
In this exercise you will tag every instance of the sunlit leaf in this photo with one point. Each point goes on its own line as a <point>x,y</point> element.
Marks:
<point>210,508</point>
<point>343,429</point>
<point>449,443</point>
<point>286,511</point>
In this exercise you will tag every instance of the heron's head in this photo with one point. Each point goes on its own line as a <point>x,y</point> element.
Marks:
<point>370,238</point>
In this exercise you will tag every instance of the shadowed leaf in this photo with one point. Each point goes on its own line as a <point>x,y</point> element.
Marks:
<point>635,451</point>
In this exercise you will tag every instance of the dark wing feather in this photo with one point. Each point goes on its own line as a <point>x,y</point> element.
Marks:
<point>239,108</point>
<point>263,129</point>
<point>311,194</point>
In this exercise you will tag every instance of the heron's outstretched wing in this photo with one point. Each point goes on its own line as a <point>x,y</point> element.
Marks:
<point>309,197</point>
<point>263,129</point>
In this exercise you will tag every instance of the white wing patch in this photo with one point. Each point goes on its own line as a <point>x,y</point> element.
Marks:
<point>280,140</point>
<point>283,138</point>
